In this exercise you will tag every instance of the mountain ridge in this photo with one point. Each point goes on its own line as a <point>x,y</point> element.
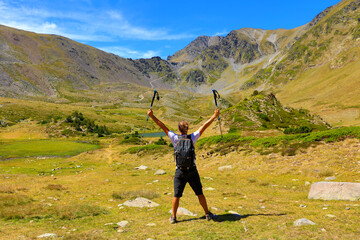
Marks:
<point>237,64</point>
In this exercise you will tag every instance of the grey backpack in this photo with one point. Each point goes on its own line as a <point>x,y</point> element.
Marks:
<point>184,152</point>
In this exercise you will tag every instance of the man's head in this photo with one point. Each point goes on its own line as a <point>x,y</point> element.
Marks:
<point>183,127</point>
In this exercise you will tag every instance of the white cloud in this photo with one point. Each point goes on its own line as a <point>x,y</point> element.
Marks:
<point>221,33</point>
<point>81,25</point>
<point>129,53</point>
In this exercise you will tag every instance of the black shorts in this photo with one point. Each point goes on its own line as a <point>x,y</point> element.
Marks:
<point>187,176</point>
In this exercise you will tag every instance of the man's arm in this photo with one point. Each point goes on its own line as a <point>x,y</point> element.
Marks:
<point>158,122</point>
<point>208,122</point>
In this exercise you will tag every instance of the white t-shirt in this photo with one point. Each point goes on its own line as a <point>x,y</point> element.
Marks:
<point>175,138</point>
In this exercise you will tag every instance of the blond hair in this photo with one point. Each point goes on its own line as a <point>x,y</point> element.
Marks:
<point>183,126</point>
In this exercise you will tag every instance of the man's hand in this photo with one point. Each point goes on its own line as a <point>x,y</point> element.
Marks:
<point>216,112</point>
<point>150,113</point>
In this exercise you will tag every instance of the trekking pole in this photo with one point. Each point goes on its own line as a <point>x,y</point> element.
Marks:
<point>156,94</point>
<point>217,95</point>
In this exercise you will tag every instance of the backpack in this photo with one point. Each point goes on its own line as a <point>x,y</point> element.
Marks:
<point>184,152</point>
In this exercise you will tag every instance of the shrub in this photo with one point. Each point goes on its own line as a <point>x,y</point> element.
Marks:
<point>133,138</point>
<point>161,141</point>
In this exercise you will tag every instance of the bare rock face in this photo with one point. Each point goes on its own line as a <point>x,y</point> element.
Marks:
<point>335,191</point>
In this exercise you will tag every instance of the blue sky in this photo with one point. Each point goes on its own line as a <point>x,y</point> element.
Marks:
<point>147,28</point>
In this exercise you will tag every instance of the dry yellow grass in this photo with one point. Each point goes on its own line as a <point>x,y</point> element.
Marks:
<point>268,203</point>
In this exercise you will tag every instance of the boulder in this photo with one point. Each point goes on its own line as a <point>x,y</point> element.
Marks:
<point>160,172</point>
<point>183,211</point>
<point>303,222</point>
<point>140,202</point>
<point>335,191</point>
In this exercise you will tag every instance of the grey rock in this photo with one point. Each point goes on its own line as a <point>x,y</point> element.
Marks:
<point>183,211</point>
<point>47,235</point>
<point>330,178</point>
<point>142,167</point>
<point>122,223</point>
<point>335,191</point>
<point>140,202</point>
<point>303,222</point>
<point>222,168</point>
<point>160,172</point>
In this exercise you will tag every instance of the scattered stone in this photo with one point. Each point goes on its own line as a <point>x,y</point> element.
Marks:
<point>347,208</point>
<point>303,222</point>
<point>330,216</point>
<point>225,168</point>
<point>209,189</point>
<point>208,178</point>
<point>142,167</point>
<point>122,224</point>
<point>262,207</point>
<point>303,206</point>
<point>307,183</point>
<point>47,235</point>
<point>160,172</point>
<point>335,191</point>
<point>235,213</point>
<point>214,208</point>
<point>183,211</point>
<point>52,198</point>
<point>323,229</point>
<point>151,224</point>
<point>140,202</point>
<point>156,181</point>
<point>330,178</point>
<point>325,208</point>
<point>120,230</point>
<point>108,224</point>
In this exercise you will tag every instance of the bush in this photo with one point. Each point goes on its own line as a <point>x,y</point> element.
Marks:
<point>161,141</point>
<point>133,138</point>
<point>302,129</point>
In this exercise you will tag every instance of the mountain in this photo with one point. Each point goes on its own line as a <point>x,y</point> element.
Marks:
<point>315,66</point>
<point>36,64</point>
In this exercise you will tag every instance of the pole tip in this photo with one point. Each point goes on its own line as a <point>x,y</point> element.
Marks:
<point>155,90</point>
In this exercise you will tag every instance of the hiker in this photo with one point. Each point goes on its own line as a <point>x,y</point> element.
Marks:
<point>186,172</point>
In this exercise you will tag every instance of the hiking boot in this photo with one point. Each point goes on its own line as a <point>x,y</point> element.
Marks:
<point>209,216</point>
<point>173,220</point>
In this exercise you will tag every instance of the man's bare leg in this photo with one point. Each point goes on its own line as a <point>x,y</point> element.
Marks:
<point>202,201</point>
<point>175,206</point>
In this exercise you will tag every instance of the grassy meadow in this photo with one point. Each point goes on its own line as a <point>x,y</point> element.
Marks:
<point>73,184</point>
